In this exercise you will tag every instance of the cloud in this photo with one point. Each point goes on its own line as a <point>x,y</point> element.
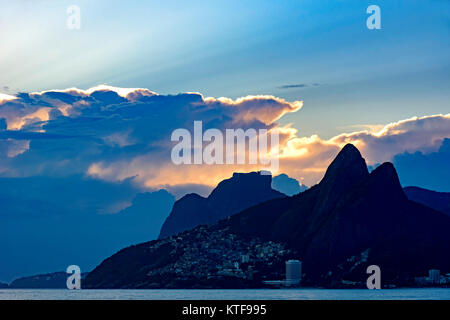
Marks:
<point>263,108</point>
<point>306,158</point>
<point>6,97</point>
<point>13,148</point>
<point>291,86</point>
<point>53,222</point>
<point>424,133</point>
<point>182,189</point>
<point>115,133</point>
<point>429,171</point>
<point>297,86</point>
<point>287,185</point>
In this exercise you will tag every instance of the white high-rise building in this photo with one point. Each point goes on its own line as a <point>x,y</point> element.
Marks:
<point>293,272</point>
<point>434,275</point>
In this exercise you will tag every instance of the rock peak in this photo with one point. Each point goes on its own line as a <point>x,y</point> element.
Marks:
<point>254,180</point>
<point>385,178</point>
<point>346,171</point>
<point>231,196</point>
<point>348,165</point>
<point>348,153</point>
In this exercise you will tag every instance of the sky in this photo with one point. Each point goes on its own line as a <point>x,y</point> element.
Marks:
<point>86,115</point>
<point>322,49</point>
<point>312,68</point>
<point>320,54</point>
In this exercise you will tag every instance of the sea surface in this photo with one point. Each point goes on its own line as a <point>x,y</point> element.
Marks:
<point>246,294</point>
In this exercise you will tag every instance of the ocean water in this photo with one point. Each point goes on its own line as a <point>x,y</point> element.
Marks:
<point>246,294</point>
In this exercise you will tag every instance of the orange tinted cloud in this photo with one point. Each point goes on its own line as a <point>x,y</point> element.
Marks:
<point>116,133</point>
<point>304,158</point>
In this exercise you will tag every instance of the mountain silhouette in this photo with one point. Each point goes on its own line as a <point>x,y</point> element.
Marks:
<point>439,201</point>
<point>337,228</point>
<point>54,280</point>
<point>231,196</point>
<point>350,212</point>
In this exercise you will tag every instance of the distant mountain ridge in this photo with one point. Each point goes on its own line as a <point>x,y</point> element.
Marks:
<point>231,196</point>
<point>439,201</point>
<point>54,280</point>
<point>350,220</point>
<point>287,185</point>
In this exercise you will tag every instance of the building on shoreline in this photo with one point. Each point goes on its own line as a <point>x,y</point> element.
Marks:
<point>293,272</point>
<point>293,275</point>
<point>434,279</point>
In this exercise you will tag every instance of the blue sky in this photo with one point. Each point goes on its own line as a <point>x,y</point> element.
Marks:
<point>107,151</point>
<point>236,48</point>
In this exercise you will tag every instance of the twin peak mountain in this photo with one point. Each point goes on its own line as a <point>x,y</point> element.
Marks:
<point>351,215</point>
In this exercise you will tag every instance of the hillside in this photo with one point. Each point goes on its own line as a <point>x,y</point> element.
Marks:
<point>351,219</point>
